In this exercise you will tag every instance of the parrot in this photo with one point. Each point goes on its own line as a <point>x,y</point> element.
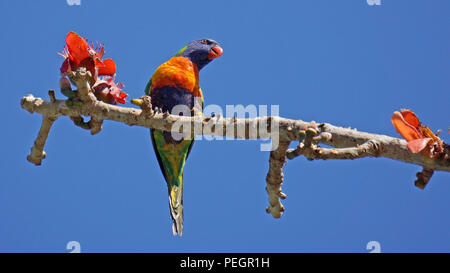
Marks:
<point>176,82</point>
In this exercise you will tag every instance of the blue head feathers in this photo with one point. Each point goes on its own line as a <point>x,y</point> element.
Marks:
<point>201,52</point>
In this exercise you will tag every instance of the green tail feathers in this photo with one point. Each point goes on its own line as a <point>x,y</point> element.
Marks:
<point>172,156</point>
<point>176,208</point>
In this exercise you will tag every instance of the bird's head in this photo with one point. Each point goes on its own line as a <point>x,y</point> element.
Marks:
<point>201,52</point>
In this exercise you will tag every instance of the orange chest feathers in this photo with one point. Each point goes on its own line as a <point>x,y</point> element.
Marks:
<point>177,72</point>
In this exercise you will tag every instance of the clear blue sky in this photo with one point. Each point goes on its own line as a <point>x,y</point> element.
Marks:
<point>342,62</point>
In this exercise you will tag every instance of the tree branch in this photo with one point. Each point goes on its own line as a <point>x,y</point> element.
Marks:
<point>348,143</point>
<point>37,151</point>
<point>274,180</point>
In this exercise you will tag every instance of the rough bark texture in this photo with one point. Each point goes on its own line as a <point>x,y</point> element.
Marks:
<point>274,180</point>
<point>347,143</point>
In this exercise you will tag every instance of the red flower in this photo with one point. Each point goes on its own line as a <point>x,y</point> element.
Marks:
<point>78,53</point>
<point>420,138</point>
<point>106,90</point>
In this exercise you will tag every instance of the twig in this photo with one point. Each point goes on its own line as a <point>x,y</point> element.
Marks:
<point>274,180</point>
<point>367,149</point>
<point>37,151</point>
<point>423,178</point>
<point>95,125</point>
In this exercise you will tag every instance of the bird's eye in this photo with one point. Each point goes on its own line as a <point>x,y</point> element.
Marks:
<point>204,41</point>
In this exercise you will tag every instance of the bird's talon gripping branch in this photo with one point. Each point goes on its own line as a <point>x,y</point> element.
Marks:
<point>145,104</point>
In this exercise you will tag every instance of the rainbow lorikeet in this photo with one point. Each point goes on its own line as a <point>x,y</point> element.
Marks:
<point>176,82</point>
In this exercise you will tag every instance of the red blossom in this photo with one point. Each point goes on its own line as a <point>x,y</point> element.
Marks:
<point>78,53</point>
<point>420,138</point>
<point>106,90</point>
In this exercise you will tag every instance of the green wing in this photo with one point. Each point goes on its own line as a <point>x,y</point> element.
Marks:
<point>147,88</point>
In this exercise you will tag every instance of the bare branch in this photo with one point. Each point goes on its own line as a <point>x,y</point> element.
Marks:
<point>423,178</point>
<point>348,143</point>
<point>274,180</point>
<point>389,147</point>
<point>37,151</point>
<point>367,149</point>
